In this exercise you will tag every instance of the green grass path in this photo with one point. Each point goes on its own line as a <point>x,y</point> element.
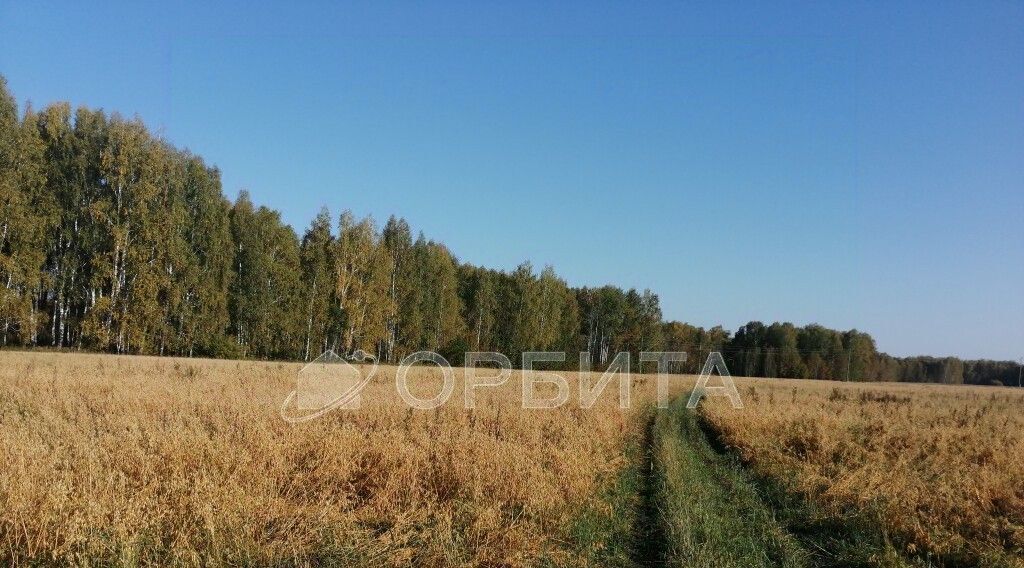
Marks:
<point>685,501</point>
<point>709,512</point>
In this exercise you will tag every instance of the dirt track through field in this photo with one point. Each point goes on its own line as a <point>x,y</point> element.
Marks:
<point>650,534</point>
<point>699,508</point>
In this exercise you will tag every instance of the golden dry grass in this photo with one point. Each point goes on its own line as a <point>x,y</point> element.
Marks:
<point>134,460</point>
<point>940,469</point>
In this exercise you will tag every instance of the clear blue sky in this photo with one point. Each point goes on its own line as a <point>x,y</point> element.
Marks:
<point>856,164</point>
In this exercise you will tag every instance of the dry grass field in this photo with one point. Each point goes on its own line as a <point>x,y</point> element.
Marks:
<point>938,469</point>
<point>158,461</point>
<point>133,460</point>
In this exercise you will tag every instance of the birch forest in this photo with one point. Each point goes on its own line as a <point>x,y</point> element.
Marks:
<point>114,240</point>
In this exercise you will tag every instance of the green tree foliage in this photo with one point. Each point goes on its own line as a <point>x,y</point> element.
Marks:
<point>75,180</point>
<point>401,292</point>
<point>25,210</point>
<point>478,290</point>
<point>316,254</point>
<point>361,284</point>
<point>204,274</point>
<point>264,299</point>
<point>112,239</point>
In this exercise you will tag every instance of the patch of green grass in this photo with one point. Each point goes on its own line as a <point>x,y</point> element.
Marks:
<point>710,510</point>
<point>606,532</point>
<point>854,539</point>
<point>683,500</point>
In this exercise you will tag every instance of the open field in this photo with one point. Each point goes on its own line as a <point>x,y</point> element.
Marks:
<point>939,470</point>
<point>128,460</point>
<point>136,460</point>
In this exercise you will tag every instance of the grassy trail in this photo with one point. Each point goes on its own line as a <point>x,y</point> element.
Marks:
<point>700,507</point>
<point>707,511</point>
<point>650,538</point>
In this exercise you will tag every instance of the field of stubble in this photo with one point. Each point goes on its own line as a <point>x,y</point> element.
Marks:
<point>156,461</point>
<point>133,460</point>
<point>936,470</point>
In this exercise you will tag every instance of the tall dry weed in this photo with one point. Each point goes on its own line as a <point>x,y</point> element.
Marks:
<point>939,468</point>
<point>131,460</point>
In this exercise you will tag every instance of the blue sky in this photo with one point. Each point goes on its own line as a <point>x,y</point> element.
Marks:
<point>860,165</point>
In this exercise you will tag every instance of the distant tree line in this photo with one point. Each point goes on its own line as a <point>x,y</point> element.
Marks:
<point>113,240</point>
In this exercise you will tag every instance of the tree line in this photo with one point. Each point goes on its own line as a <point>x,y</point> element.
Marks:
<point>113,240</point>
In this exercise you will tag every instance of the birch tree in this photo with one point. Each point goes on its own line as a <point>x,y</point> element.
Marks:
<point>361,270</point>
<point>401,283</point>
<point>25,214</point>
<point>317,259</point>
